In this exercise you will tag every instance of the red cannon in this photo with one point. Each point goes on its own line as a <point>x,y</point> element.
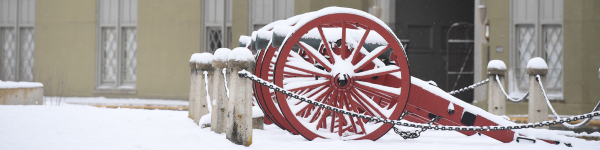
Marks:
<point>351,60</point>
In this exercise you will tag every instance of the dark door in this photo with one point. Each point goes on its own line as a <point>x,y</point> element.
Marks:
<point>422,25</point>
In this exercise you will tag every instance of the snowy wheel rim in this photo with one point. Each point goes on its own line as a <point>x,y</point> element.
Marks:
<point>353,89</point>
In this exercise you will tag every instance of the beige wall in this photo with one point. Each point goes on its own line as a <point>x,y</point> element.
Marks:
<point>239,21</point>
<point>168,33</point>
<point>65,45</point>
<point>581,55</point>
<point>304,6</point>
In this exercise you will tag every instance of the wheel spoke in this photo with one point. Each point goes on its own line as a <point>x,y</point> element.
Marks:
<point>376,88</point>
<point>369,104</point>
<point>326,43</point>
<point>343,51</point>
<point>377,72</point>
<point>316,55</point>
<point>305,67</point>
<point>304,85</point>
<point>357,49</point>
<point>370,56</point>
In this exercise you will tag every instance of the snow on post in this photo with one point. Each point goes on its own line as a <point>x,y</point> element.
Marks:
<point>219,94</point>
<point>496,99</point>
<point>538,108</point>
<point>245,41</point>
<point>199,93</point>
<point>537,65</point>
<point>496,67</point>
<point>239,111</point>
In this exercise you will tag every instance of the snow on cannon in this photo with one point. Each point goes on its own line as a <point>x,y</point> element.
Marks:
<point>342,73</point>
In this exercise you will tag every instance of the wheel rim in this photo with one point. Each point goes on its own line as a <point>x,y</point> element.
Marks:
<point>265,95</point>
<point>348,80</point>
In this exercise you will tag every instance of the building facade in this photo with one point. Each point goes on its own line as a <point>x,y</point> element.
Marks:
<point>563,33</point>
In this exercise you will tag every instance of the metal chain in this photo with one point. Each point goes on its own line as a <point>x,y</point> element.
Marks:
<point>252,77</point>
<point>506,95</point>
<point>470,87</point>
<point>570,126</point>
<point>417,133</point>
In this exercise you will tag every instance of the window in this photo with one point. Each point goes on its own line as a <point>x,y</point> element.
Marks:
<point>214,13</point>
<point>117,46</point>
<point>264,12</point>
<point>536,32</point>
<point>17,29</point>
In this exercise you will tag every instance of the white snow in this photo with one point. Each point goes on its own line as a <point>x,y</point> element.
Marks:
<point>257,112</point>
<point>537,63</point>
<point>121,101</point>
<point>222,54</point>
<point>205,119</point>
<point>496,64</point>
<point>203,58</point>
<point>12,84</point>
<point>281,30</point>
<point>254,35</point>
<point>207,93</point>
<point>264,34</point>
<point>225,80</point>
<point>86,127</point>
<point>245,39</point>
<point>241,54</point>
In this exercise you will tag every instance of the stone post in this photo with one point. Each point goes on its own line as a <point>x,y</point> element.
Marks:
<point>496,99</point>
<point>201,105</point>
<point>219,91</point>
<point>193,84</point>
<point>239,111</point>
<point>538,108</point>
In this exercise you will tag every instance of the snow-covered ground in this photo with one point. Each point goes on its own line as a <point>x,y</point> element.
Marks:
<point>85,127</point>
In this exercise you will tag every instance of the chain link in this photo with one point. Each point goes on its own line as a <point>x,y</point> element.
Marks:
<point>252,77</point>
<point>470,87</point>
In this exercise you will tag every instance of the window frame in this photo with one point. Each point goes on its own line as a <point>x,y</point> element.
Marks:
<point>210,20</point>
<point>120,86</point>
<point>539,21</point>
<point>24,17</point>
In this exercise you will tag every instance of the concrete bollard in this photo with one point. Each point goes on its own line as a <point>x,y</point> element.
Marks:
<point>219,91</point>
<point>538,108</point>
<point>496,99</point>
<point>193,85</point>
<point>201,104</point>
<point>239,111</point>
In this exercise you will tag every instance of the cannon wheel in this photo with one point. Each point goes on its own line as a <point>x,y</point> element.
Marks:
<point>348,79</point>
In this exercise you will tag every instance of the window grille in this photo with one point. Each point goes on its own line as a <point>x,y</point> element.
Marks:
<point>9,54</point>
<point>553,48</point>
<point>525,51</point>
